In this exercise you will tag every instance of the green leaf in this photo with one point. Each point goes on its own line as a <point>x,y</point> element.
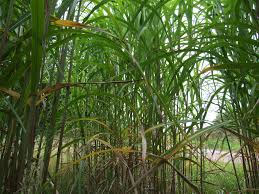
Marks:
<point>37,10</point>
<point>239,66</point>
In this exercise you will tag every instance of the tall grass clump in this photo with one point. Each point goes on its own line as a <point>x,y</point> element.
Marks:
<point>119,96</point>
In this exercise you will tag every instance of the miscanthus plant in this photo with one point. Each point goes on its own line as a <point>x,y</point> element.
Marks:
<point>116,96</point>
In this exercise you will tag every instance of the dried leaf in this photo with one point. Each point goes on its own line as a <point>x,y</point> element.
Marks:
<point>68,23</point>
<point>10,92</point>
<point>144,143</point>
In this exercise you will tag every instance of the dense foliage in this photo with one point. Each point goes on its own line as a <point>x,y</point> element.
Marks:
<point>115,96</point>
